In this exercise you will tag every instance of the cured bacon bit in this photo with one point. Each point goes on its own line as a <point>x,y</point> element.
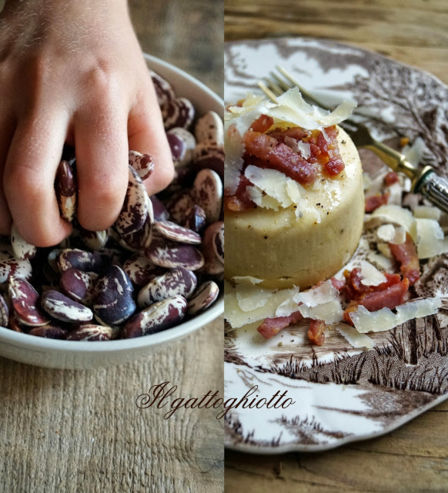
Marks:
<point>337,283</point>
<point>272,326</point>
<point>390,297</point>
<point>406,256</point>
<point>334,167</point>
<point>391,178</point>
<point>295,133</point>
<point>240,201</point>
<point>354,288</point>
<point>376,201</point>
<point>276,155</point>
<point>262,123</point>
<point>316,332</point>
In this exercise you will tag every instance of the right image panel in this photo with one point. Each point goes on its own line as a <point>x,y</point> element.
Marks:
<point>336,270</point>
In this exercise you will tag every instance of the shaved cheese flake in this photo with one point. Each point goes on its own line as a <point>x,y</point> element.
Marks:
<point>293,109</point>
<point>246,280</point>
<point>293,190</point>
<point>242,116</point>
<point>272,182</point>
<point>371,276</point>
<point>415,152</point>
<point>323,293</point>
<point>286,308</point>
<point>237,317</point>
<point>384,249</point>
<point>251,297</point>
<point>429,238</point>
<point>391,234</point>
<point>380,260</point>
<point>386,319</point>
<point>395,193</point>
<point>233,163</point>
<point>259,198</point>
<point>427,212</point>
<point>304,148</point>
<point>386,232</point>
<point>353,337</point>
<point>395,214</point>
<point>330,312</point>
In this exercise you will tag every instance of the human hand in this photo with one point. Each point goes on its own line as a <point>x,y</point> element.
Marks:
<point>72,72</point>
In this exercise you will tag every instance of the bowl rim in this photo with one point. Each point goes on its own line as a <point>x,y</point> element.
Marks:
<point>27,341</point>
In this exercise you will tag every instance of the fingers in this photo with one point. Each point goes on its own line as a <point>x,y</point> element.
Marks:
<point>147,134</point>
<point>28,178</point>
<point>6,133</point>
<point>102,163</point>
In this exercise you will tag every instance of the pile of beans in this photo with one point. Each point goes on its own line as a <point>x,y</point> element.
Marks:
<point>160,263</point>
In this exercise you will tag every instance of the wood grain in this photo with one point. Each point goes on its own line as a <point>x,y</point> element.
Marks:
<point>415,456</point>
<point>414,32</point>
<point>81,431</point>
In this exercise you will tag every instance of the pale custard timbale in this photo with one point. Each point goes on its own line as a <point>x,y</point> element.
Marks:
<point>283,248</point>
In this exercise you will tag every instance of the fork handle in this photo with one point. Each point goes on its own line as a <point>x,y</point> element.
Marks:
<point>393,158</point>
<point>434,188</point>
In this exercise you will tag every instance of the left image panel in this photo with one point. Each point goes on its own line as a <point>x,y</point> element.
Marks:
<point>112,246</point>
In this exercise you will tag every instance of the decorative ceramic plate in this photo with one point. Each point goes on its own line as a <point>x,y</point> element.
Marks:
<point>343,394</point>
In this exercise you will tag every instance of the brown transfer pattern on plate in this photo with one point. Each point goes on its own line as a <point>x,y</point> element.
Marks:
<point>344,394</point>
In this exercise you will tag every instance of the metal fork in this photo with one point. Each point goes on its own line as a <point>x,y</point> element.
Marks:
<point>424,179</point>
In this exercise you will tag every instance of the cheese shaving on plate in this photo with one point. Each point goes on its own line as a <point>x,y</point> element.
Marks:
<point>237,317</point>
<point>429,238</point>
<point>319,303</point>
<point>386,319</point>
<point>353,337</point>
<point>371,276</point>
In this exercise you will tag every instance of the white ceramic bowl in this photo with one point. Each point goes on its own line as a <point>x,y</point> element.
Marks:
<point>53,353</point>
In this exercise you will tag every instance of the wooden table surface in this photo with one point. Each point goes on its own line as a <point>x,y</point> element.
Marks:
<point>414,457</point>
<point>80,431</point>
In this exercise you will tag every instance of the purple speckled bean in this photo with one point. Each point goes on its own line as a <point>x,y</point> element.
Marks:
<point>92,332</point>
<point>10,266</point>
<point>142,163</point>
<point>174,282</point>
<point>140,270</point>
<point>24,299</point>
<point>74,258</point>
<point>157,317</point>
<point>209,128</point>
<point>63,308</point>
<point>213,264</point>
<point>160,211</point>
<point>195,219</point>
<point>135,207</point>
<point>178,113</point>
<point>171,255</point>
<point>218,243</point>
<point>203,298</point>
<point>21,248</point>
<point>174,232</point>
<point>79,285</point>
<point>209,155</point>
<point>113,302</point>
<point>65,186</point>
<point>179,206</point>
<point>163,88</point>
<point>94,240</point>
<point>182,144</point>
<point>207,193</point>
<point>4,312</point>
<point>49,332</point>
